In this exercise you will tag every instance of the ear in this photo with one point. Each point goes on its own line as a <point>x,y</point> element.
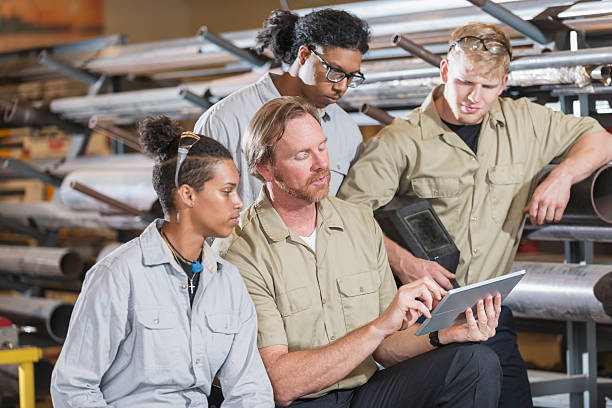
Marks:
<point>265,170</point>
<point>504,83</point>
<point>186,195</point>
<point>444,70</point>
<point>303,54</point>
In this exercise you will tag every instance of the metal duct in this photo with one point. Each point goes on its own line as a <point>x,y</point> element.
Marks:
<point>54,216</point>
<point>591,199</point>
<point>376,113</point>
<point>563,292</point>
<point>132,187</point>
<point>50,316</point>
<point>40,262</point>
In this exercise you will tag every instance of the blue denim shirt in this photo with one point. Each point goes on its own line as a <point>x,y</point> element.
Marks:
<point>135,341</point>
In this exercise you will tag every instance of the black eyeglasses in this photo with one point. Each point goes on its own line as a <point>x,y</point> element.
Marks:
<point>337,75</point>
<point>186,142</point>
<point>473,43</point>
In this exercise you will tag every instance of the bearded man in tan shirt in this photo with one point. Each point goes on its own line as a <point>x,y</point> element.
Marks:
<point>327,306</point>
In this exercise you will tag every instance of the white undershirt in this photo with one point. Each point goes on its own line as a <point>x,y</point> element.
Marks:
<point>311,241</point>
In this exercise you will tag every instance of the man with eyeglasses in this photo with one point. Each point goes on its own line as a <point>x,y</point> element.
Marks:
<point>476,157</point>
<point>323,52</point>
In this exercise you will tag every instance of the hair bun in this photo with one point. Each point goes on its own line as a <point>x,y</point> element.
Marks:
<point>278,35</point>
<point>157,133</point>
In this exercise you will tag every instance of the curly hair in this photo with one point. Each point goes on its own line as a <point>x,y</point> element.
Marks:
<point>159,138</point>
<point>284,32</point>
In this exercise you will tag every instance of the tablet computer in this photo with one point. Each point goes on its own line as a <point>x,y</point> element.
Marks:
<point>452,307</point>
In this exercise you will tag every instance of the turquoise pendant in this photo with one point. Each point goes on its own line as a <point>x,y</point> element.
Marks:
<point>196,267</point>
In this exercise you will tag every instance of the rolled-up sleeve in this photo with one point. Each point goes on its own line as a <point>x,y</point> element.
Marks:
<point>243,377</point>
<point>97,327</point>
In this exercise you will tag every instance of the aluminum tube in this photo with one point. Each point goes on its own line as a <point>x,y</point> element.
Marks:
<point>132,187</point>
<point>49,315</point>
<point>66,69</point>
<point>563,292</point>
<point>122,207</point>
<point>228,46</point>
<point>507,17</point>
<point>40,262</point>
<point>416,50</point>
<point>114,132</point>
<point>197,100</point>
<point>376,113</point>
<point>569,233</point>
<point>54,216</point>
<point>602,73</point>
<point>587,56</point>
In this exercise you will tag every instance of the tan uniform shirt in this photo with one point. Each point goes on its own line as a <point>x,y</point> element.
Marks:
<point>307,300</point>
<point>478,197</point>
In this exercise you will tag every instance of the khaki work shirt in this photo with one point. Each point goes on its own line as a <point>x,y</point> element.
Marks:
<point>307,300</point>
<point>478,197</point>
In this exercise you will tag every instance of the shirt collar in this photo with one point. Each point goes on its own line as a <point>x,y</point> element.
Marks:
<point>431,124</point>
<point>274,226</point>
<point>156,252</point>
<point>269,91</point>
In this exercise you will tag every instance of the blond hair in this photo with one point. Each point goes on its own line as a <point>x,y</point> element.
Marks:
<point>485,62</point>
<point>267,127</point>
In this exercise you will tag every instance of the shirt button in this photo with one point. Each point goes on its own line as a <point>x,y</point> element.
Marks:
<point>197,361</point>
<point>333,338</point>
<point>475,251</point>
<point>338,167</point>
<point>472,158</point>
<point>361,289</point>
<point>156,321</point>
<point>474,218</point>
<point>324,301</point>
<point>436,192</point>
<point>183,286</point>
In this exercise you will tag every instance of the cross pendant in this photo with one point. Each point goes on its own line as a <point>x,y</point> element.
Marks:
<point>191,285</point>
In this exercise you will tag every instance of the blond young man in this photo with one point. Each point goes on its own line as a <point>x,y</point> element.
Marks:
<point>327,305</point>
<point>476,158</point>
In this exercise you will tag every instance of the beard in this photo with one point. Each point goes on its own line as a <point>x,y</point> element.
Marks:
<point>309,192</point>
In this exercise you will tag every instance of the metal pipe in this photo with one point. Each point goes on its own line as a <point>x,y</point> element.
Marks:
<point>257,61</point>
<point>569,233</point>
<point>376,113</point>
<point>66,69</point>
<point>132,187</point>
<point>28,116</point>
<point>416,50</point>
<point>40,262</point>
<point>563,292</point>
<point>507,17</point>
<point>49,315</point>
<point>124,208</point>
<point>602,73</point>
<point>54,216</point>
<point>113,132</point>
<point>591,199</point>
<point>28,171</point>
<point>587,56</point>
<point>194,98</point>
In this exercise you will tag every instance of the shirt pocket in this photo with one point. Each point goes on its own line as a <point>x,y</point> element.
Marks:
<point>436,187</point>
<point>295,307</point>
<point>359,295</point>
<point>223,327</point>
<point>158,333</point>
<point>504,182</point>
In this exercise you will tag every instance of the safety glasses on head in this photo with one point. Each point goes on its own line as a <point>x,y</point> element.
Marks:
<point>473,43</point>
<point>336,75</point>
<point>186,142</point>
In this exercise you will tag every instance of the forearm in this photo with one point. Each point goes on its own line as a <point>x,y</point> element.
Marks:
<point>300,373</point>
<point>401,346</point>
<point>398,256</point>
<point>589,153</point>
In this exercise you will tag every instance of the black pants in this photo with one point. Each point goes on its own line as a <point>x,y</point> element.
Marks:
<point>458,375</point>
<point>515,389</point>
